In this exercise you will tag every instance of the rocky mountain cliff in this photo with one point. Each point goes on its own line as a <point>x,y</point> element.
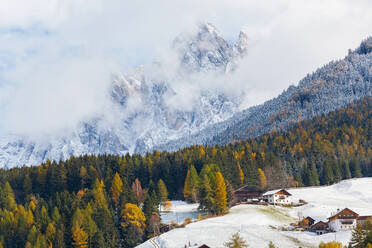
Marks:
<point>147,112</point>
<point>143,106</point>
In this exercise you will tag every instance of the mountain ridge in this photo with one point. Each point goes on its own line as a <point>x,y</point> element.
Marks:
<point>142,105</point>
<point>329,88</point>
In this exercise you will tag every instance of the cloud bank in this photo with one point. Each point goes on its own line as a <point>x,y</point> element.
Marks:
<point>56,57</point>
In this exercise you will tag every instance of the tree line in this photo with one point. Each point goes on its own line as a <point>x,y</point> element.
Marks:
<point>112,201</point>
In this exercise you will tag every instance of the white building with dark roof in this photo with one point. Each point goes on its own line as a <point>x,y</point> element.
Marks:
<point>281,197</point>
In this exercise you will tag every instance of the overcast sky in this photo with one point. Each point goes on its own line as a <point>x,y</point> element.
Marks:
<point>56,56</point>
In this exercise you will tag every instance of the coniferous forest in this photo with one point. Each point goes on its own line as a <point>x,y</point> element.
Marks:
<point>111,201</point>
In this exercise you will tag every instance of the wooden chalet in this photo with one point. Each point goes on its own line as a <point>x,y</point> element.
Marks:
<point>306,223</point>
<point>247,193</point>
<point>320,227</point>
<point>345,219</point>
<point>310,220</point>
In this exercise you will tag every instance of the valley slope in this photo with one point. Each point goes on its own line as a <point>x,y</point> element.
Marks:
<point>329,88</point>
<point>259,225</point>
<point>143,104</point>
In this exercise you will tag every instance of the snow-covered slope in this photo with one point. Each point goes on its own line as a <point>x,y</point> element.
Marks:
<point>147,112</point>
<point>329,88</point>
<point>145,108</point>
<point>259,225</point>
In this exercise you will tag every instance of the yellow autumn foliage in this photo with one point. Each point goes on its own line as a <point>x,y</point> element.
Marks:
<point>332,244</point>
<point>80,237</point>
<point>116,189</point>
<point>262,179</point>
<point>220,193</point>
<point>132,215</point>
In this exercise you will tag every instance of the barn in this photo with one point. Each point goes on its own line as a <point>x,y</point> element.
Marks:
<point>247,193</point>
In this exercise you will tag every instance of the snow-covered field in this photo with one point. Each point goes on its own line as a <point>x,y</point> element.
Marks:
<point>179,211</point>
<point>258,225</point>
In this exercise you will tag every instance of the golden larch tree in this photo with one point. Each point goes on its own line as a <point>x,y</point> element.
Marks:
<point>220,194</point>
<point>133,215</point>
<point>241,174</point>
<point>262,179</point>
<point>332,244</point>
<point>116,189</point>
<point>80,237</point>
<point>50,233</point>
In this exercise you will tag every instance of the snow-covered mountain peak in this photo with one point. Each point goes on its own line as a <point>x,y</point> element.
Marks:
<point>241,44</point>
<point>150,105</point>
<point>207,50</point>
<point>210,28</point>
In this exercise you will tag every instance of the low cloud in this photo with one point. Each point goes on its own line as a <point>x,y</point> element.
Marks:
<point>57,57</point>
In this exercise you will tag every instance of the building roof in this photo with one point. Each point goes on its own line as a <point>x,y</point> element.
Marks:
<point>248,188</point>
<point>204,246</point>
<point>277,191</point>
<point>320,223</point>
<point>345,211</point>
<point>309,218</point>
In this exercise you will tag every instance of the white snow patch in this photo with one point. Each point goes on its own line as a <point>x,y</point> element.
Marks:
<point>258,225</point>
<point>179,211</point>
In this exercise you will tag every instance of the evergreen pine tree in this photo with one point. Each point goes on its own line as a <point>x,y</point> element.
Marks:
<point>314,175</point>
<point>355,168</point>
<point>191,185</point>
<point>32,235</point>
<point>229,193</point>
<point>150,206</point>
<point>357,238</point>
<point>163,192</point>
<point>327,177</point>
<point>43,219</point>
<point>336,171</point>
<point>186,186</point>
<point>56,217</point>
<point>271,245</point>
<point>206,200</point>
<point>27,184</point>
<point>236,242</point>
<point>307,177</point>
<point>83,176</point>
<point>98,240</point>
<point>345,169</point>
<point>59,240</point>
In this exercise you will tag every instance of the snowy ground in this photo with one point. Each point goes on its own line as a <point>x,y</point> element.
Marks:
<point>258,225</point>
<point>179,212</point>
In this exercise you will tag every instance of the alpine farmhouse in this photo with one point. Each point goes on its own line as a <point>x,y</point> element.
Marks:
<point>280,197</point>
